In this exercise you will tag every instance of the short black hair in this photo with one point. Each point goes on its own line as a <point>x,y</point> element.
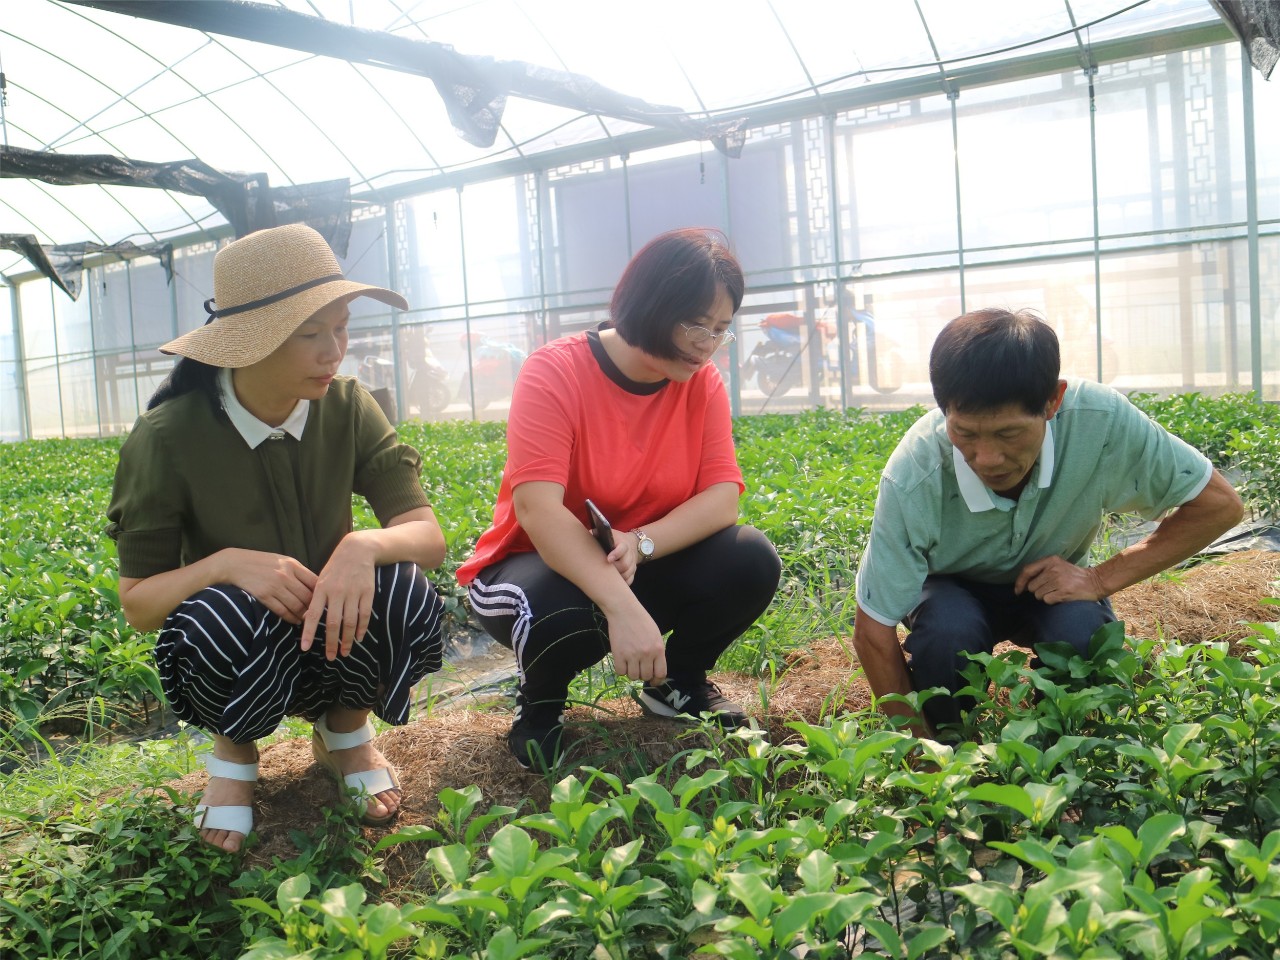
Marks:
<point>674,279</point>
<point>991,358</point>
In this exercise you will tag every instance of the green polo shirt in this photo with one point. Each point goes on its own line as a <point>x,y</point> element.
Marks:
<point>189,484</point>
<point>934,516</point>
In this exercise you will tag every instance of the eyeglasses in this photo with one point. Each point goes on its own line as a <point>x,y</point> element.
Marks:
<point>700,334</point>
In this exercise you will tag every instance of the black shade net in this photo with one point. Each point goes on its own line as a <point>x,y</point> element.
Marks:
<point>247,200</point>
<point>1257,24</point>
<point>64,263</point>
<point>474,88</point>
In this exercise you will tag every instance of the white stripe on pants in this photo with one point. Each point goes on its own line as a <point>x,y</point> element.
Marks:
<point>232,667</point>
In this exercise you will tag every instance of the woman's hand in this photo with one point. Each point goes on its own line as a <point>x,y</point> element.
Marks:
<point>282,584</point>
<point>624,557</point>
<point>638,650</point>
<point>343,596</point>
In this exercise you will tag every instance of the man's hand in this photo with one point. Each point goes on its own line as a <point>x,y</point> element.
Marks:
<point>343,596</point>
<point>882,661</point>
<point>1054,580</point>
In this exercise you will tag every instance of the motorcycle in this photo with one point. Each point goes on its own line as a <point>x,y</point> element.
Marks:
<point>776,362</point>
<point>429,385</point>
<point>494,365</point>
<point>426,385</point>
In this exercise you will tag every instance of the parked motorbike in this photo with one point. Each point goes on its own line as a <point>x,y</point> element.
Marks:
<point>429,385</point>
<point>426,383</point>
<point>776,362</point>
<point>494,365</point>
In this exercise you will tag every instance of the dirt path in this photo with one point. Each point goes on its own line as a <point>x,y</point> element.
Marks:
<point>465,744</point>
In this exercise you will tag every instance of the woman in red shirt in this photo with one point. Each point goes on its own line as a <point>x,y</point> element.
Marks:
<point>633,416</point>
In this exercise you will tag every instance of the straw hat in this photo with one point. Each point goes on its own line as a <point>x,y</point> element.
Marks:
<point>264,286</point>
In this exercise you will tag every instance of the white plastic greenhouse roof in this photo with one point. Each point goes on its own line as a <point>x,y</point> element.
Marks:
<point>82,80</point>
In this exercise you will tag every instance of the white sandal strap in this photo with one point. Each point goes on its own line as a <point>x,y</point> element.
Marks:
<point>372,781</point>
<point>344,741</point>
<point>236,819</point>
<point>230,770</point>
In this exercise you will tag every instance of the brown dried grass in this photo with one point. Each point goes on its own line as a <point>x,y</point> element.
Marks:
<point>466,745</point>
<point>1212,601</point>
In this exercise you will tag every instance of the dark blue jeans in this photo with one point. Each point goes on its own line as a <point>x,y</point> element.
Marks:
<point>957,616</point>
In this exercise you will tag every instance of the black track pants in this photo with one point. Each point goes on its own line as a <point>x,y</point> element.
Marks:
<point>706,595</point>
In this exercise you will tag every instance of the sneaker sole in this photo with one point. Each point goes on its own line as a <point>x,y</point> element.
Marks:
<point>656,708</point>
<point>664,711</point>
<point>527,762</point>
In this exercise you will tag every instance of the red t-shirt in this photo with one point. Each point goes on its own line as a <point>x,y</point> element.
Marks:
<point>637,450</point>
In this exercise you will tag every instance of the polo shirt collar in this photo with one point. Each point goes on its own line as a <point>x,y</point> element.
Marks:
<point>253,430</point>
<point>978,497</point>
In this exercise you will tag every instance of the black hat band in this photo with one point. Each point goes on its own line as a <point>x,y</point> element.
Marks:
<point>215,314</point>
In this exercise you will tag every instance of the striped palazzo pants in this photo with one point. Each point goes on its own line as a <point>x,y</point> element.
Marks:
<point>232,667</point>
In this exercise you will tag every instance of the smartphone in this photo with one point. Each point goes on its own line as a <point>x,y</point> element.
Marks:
<point>600,528</point>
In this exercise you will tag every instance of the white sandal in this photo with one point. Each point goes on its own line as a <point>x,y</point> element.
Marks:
<point>366,783</point>
<point>232,818</point>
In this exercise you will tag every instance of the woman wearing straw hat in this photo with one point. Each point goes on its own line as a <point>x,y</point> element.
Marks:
<point>232,516</point>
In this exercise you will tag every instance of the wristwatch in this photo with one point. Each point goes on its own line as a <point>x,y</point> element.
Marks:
<point>644,545</point>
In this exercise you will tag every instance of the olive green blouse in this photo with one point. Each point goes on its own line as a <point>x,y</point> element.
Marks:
<point>188,485</point>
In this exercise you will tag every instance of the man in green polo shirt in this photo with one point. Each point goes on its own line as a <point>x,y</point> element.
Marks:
<point>989,505</point>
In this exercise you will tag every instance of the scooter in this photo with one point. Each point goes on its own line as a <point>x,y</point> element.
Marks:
<point>426,387</point>
<point>494,365</point>
<point>429,385</point>
<point>776,361</point>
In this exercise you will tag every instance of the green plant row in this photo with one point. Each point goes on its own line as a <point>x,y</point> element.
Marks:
<point>66,650</point>
<point>1122,806</point>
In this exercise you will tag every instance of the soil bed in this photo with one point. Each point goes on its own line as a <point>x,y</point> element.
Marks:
<point>465,743</point>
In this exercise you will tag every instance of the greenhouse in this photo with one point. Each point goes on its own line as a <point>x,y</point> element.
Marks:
<point>504,479</point>
<point>878,167</point>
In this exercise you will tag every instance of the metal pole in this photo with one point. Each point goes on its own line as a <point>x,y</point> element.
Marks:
<point>1091,71</point>
<point>626,200</point>
<point>466,310</point>
<point>4,99</point>
<point>1251,215</point>
<point>93,354</point>
<point>842,334</point>
<point>398,379</point>
<point>57,362</point>
<point>20,378</point>
<point>540,190</point>
<point>954,95</point>
<point>726,214</point>
<point>133,340</point>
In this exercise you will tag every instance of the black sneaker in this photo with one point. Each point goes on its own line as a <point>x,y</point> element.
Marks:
<point>690,698</point>
<point>536,734</point>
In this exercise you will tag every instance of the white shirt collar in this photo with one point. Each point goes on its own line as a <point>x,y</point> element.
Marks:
<point>250,427</point>
<point>979,497</point>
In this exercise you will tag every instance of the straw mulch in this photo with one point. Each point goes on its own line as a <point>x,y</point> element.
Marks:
<point>1214,600</point>
<point>464,745</point>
